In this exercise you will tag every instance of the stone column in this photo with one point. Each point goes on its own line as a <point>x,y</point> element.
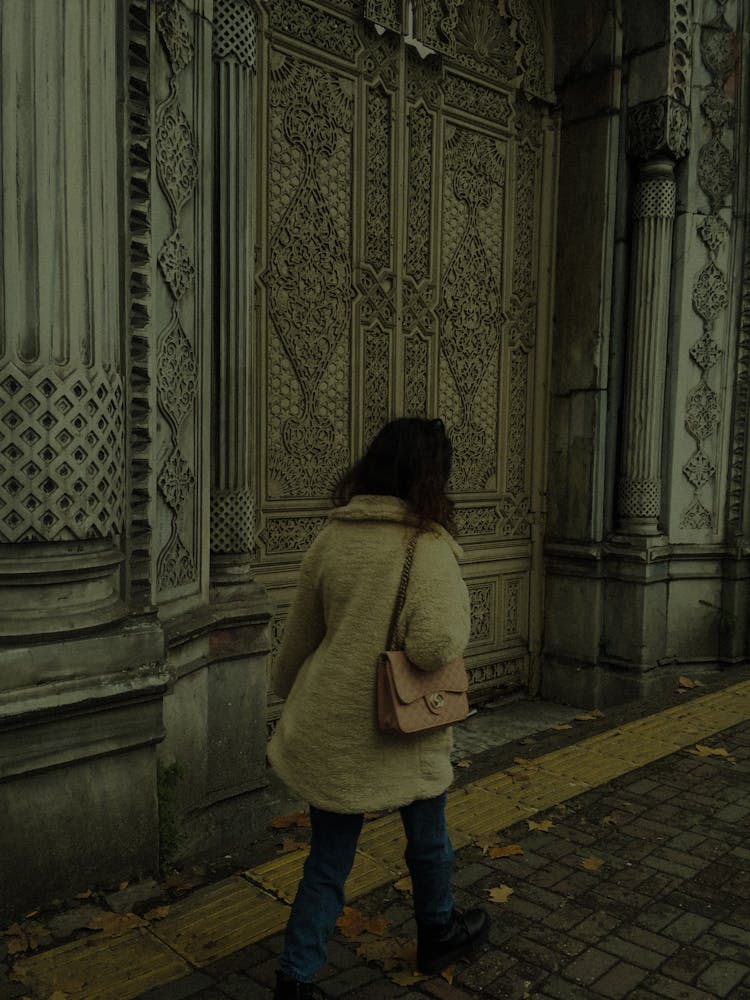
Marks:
<point>232,502</point>
<point>62,488</point>
<point>658,135</point>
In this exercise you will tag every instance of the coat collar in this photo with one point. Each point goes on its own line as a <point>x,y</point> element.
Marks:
<point>366,507</point>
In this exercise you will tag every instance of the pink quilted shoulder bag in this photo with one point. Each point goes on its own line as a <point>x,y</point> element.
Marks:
<point>411,700</point>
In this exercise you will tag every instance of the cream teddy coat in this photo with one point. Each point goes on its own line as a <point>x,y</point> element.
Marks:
<point>327,746</point>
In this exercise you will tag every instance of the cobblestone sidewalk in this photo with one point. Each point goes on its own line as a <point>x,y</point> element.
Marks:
<point>633,881</point>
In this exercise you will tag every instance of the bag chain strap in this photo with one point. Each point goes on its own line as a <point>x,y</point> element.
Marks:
<point>401,594</point>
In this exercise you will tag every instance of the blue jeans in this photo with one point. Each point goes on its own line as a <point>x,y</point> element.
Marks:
<point>320,896</point>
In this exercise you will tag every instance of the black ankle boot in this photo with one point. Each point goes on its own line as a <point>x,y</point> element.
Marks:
<point>440,945</point>
<point>291,989</point>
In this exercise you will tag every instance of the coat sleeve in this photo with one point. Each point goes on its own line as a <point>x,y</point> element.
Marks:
<point>437,620</point>
<point>304,631</point>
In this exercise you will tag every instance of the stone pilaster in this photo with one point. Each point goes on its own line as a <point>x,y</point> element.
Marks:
<point>232,500</point>
<point>62,484</point>
<point>639,487</point>
<point>657,138</point>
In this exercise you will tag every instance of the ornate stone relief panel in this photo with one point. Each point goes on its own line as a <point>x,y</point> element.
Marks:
<point>177,354</point>
<point>710,298</point>
<point>398,274</point>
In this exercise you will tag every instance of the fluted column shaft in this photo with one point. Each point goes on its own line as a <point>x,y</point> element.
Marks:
<point>639,487</point>
<point>232,503</point>
<point>62,474</point>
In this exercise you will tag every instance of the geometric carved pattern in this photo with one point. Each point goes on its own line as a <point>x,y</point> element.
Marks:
<point>176,265</point>
<point>235,32</point>
<point>309,279</point>
<point>173,29</point>
<point>639,498</point>
<point>482,603</point>
<point>61,454</point>
<point>291,534</point>
<point>655,199</point>
<point>718,45</point>
<point>470,309</point>
<point>176,367</point>
<point>505,673</point>
<point>177,373</point>
<point>176,481</point>
<point>176,158</point>
<point>476,521</point>
<point>292,17</point>
<point>233,521</point>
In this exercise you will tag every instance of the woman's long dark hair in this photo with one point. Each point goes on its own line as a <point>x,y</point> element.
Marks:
<point>409,458</point>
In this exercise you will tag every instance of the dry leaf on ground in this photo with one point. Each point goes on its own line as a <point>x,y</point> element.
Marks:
<point>500,894</point>
<point>464,763</point>
<point>85,895</point>
<point>114,924</point>
<point>504,850</point>
<point>181,883</point>
<point>404,885</point>
<point>592,864</point>
<point>545,825</point>
<point>58,995</point>
<point>389,953</point>
<point>686,683</point>
<point>595,713</point>
<point>701,750</point>
<point>293,819</point>
<point>352,924</point>
<point>562,727</point>
<point>158,913</point>
<point>26,937</point>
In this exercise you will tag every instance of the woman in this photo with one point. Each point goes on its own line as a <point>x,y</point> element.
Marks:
<point>327,746</point>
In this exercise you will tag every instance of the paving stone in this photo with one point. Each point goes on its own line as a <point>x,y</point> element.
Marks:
<point>686,964</point>
<point>620,980</point>
<point>486,969</point>
<point>64,924</point>
<point>721,977</point>
<point>717,945</point>
<point>595,927</point>
<point>589,966</point>
<point>349,979</point>
<point>658,916</point>
<point>180,989</point>
<point>470,874</point>
<point>648,939</point>
<point>239,988</point>
<point>644,958</point>
<point>673,990</point>
<point>687,927</point>
<point>138,894</point>
<point>563,989</point>
<point>567,916</point>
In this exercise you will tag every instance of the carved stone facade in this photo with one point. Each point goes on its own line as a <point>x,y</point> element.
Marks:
<point>240,235</point>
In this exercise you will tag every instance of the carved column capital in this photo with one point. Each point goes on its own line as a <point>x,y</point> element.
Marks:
<point>658,128</point>
<point>235,32</point>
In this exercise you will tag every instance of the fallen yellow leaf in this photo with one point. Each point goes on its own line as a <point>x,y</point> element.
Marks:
<point>500,894</point>
<point>406,977</point>
<point>545,825</point>
<point>701,750</point>
<point>562,727</point>
<point>592,864</point>
<point>449,973</point>
<point>123,885</point>
<point>504,850</point>
<point>464,763</point>
<point>595,713</point>
<point>158,913</point>
<point>84,895</point>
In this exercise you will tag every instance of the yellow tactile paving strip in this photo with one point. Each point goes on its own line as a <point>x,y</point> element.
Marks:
<point>111,969</point>
<point>237,912</point>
